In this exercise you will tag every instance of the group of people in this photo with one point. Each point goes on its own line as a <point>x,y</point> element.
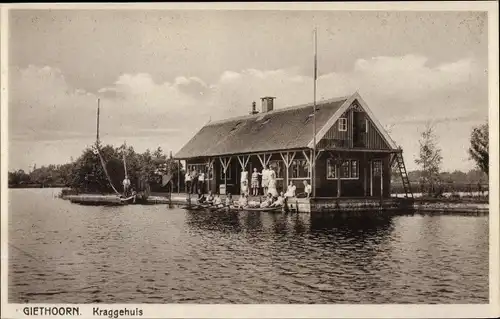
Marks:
<point>243,201</point>
<point>195,181</point>
<point>213,200</point>
<point>268,183</point>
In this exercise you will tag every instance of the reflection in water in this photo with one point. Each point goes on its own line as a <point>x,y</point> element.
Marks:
<point>157,254</point>
<point>219,220</point>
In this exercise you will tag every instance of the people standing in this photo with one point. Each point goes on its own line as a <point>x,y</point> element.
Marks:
<point>265,179</point>
<point>194,181</point>
<point>187,180</point>
<point>272,182</point>
<point>126,185</point>
<point>255,182</point>
<point>244,182</point>
<point>201,182</point>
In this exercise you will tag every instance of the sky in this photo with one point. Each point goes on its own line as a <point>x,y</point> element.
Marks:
<point>162,74</point>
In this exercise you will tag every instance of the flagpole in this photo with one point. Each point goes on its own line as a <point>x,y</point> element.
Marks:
<point>98,111</point>
<point>313,176</point>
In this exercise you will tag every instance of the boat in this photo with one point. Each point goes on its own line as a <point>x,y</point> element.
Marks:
<point>117,198</point>
<point>232,208</point>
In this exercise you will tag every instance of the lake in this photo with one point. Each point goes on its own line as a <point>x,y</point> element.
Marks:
<point>65,253</point>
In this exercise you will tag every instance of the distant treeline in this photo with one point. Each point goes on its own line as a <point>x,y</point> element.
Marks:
<point>456,181</point>
<point>86,174</point>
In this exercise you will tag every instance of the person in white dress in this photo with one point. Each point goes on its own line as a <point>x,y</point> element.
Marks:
<point>244,182</point>
<point>272,183</point>
<point>187,179</point>
<point>290,191</point>
<point>265,179</point>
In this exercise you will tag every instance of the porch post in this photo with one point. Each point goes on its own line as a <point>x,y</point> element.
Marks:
<point>365,177</point>
<point>339,164</point>
<point>178,176</point>
<point>381,181</point>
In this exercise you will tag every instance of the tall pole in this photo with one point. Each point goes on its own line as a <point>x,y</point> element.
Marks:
<point>98,110</point>
<point>313,173</point>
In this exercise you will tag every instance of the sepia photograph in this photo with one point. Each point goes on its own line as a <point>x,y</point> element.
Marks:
<point>293,156</point>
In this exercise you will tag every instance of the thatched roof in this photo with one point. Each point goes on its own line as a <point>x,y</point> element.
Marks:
<point>281,129</point>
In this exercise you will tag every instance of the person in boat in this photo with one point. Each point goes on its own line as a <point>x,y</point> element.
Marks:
<point>290,191</point>
<point>280,201</point>
<point>255,182</point>
<point>307,189</point>
<point>242,201</point>
<point>229,199</point>
<point>134,194</point>
<point>217,201</point>
<point>202,199</point>
<point>126,185</point>
<point>187,179</point>
<point>265,179</point>
<point>268,202</point>
<point>210,198</point>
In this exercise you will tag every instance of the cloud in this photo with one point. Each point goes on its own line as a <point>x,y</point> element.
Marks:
<point>401,90</point>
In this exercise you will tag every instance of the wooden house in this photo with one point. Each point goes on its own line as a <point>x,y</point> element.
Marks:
<point>353,154</point>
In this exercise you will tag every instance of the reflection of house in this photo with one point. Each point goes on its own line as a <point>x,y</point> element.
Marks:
<point>353,151</point>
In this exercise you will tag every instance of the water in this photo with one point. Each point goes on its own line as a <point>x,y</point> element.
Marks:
<point>66,253</point>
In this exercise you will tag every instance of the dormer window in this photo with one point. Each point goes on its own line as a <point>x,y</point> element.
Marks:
<point>343,124</point>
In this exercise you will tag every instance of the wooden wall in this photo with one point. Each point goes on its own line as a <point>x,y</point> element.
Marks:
<point>372,139</point>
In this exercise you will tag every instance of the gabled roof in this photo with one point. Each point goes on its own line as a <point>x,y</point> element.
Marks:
<point>281,129</point>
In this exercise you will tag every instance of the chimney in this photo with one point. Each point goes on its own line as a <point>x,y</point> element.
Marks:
<point>254,109</point>
<point>267,103</point>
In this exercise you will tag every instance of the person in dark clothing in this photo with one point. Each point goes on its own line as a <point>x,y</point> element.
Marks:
<point>194,181</point>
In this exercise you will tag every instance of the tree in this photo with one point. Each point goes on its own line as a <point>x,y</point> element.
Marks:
<point>429,160</point>
<point>479,151</point>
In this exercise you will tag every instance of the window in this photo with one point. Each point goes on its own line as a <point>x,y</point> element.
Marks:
<point>343,124</point>
<point>300,169</point>
<point>279,167</point>
<point>201,168</point>
<point>348,169</point>
<point>354,169</point>
<point>344,169</point>
<point>331,172</point>
<point>228,172</point>
<point>377,167</point>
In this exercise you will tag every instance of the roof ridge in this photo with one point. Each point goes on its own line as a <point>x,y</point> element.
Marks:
<point>283,109</point>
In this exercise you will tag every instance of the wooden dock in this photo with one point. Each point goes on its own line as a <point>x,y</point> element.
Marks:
<point>311,205</point>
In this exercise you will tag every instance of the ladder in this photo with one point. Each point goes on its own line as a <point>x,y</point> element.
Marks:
<point>404,176</point>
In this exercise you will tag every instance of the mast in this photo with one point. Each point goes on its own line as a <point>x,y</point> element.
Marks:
<point>313,159</point>
<point>98,110</point>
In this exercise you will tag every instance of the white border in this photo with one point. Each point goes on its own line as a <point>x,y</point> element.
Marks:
<point>289,311</point>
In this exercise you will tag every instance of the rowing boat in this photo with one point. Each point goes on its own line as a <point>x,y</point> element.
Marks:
<point>233,208</point>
